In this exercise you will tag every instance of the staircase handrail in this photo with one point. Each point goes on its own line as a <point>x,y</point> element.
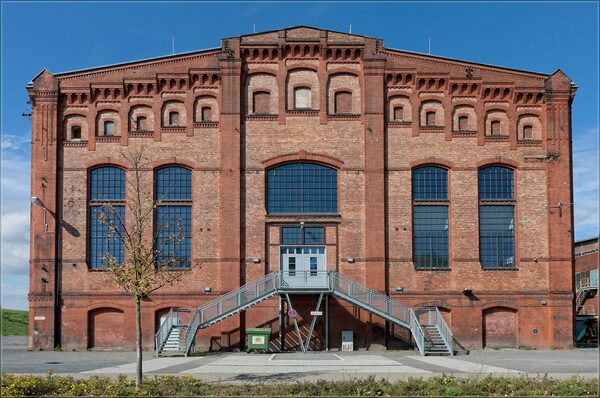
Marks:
<point>444,330</point>
<point>587,283</point>
<point>408,319</point>
<point>199,317</point>
<point>163,332</point>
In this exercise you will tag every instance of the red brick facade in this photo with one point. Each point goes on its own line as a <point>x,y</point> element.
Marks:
<point>229,141</point>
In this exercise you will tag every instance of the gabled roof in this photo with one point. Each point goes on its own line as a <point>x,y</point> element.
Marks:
<point>301,27</point>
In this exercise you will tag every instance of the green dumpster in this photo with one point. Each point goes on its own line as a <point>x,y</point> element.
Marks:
<point>258,338</point>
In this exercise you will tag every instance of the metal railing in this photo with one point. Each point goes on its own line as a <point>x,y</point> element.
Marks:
<point>379,304</point>
<point>587,283</point>
<point>230,303</point>
<point>434,317</point>
<point>171,321</point>
<point>285,281</point>
<point>304,280</point>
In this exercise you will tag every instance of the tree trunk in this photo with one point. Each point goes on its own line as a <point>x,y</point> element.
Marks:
<point>138,344</point>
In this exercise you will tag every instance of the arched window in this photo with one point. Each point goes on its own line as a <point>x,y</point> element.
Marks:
<point>109,128</point>
<point>261,102</point>
<point>173,119</point>
<point>302,98</point>
<point>107,216</point>
<point>173,215</point>
<point>206,114</point>
<point>463,123</point>
<point>430,217</point>
<point>430,118</point>
<point>398,113</point>
<point>496,217</point>
<point>495,127</point>
<point>302,188</point>
<point>528,132</point>
<point>343,102</point>
<point>141,123</point>
<point>76,133</point>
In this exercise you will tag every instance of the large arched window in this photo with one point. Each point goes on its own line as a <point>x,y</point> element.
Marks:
<point>173,204</point>
<point>107,216</point>
<point>430,217</point>
<point>302,188</point>
<point>496,217</point>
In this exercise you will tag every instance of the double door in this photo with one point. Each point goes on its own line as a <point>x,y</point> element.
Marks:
<point>303,267</point>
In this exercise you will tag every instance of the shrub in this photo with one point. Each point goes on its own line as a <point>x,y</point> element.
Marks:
<point>443,385</point>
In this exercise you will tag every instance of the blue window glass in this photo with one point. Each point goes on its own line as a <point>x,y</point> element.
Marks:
<point>497,236</point>
<point>173,183</point>
<point>173,238</point>
<point>107,184</point>
<point>106,216</point>
<point>314,236</point>
<point>430,183</point>
<point>291,235</point>
<point>302,188</point>
<point>496,183</point>
<point>106,234</point>
<point>430,221</point>
<point>430,236</point>
<point>173,217</point>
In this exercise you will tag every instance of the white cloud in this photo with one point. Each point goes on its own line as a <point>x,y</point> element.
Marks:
<point>585,183</point>
<point>14,294</point>
<point>15,205</point>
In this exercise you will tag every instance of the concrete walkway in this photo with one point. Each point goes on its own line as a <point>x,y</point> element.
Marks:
<point>291,367</point>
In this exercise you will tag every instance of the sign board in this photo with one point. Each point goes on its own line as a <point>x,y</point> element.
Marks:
<point>259,340</point>
<point>316,313</point>
<point>347,340</point>
<point>39,318</point>
<point>292,313</point>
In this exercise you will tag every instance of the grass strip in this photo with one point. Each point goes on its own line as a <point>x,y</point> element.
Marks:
<point>443,385</point>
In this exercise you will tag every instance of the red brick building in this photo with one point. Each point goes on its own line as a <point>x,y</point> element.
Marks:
<point>436,181</point>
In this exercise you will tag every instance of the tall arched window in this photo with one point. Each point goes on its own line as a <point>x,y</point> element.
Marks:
<point>430,217</point>
<point>173,215</point>
<point>107,216</point>
<point>496,217</point>
<point>302,188</point>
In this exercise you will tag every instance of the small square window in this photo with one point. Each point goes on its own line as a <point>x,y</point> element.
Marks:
<point>430,119</point>
<point>495,127</point>
<point>109,128</point>
<point>463,123</point>
<point>528,132</point>
<point>76,133</point>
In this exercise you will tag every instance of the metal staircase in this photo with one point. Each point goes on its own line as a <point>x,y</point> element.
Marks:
<point>586,288</point>
<point>177,337</point>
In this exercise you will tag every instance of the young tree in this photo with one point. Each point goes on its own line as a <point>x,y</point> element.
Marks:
<point>150,262</point>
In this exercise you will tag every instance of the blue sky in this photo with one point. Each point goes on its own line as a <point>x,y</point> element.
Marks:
<point>537,36</point>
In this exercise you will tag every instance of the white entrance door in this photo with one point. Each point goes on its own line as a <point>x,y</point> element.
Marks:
<point>303,267</point>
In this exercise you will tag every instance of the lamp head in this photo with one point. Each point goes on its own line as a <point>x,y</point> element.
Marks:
<point>37,201</point>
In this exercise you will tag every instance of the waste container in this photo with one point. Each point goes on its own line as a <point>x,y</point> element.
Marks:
<point>258,338</point>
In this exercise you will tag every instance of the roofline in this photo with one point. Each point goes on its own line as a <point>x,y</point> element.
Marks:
<point>159,58</point>
<point>300,26</point>
<point>546,75</point>
<point>582,241</point>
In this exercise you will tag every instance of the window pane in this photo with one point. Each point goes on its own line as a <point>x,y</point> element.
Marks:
<point>206,114</point>
<point>497,236</point>
<point>314,236</point>
<point>109,128</point>
<point>290,236</point>
<point>302,98</point>
<point>173,183</point>
<point>430,183</point>
<point>430,236</point>
<point>106,230</point>
<point>302,188</point>
<point>496,183</point>
<point>173,240</point>
<point>107,183</point>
